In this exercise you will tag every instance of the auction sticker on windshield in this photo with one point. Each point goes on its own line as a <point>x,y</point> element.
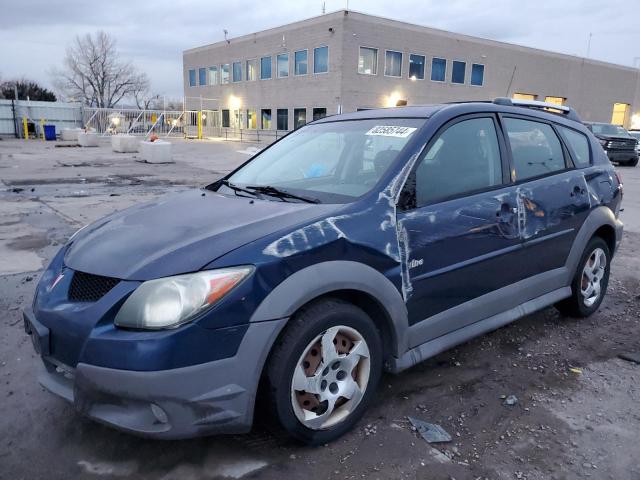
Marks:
<point>391,131</point>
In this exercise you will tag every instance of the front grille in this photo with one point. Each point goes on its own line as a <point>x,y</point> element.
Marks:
<point>86,287</point>
<point>622,144</point>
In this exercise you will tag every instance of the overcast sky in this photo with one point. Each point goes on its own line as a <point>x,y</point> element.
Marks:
<point>34,34</point>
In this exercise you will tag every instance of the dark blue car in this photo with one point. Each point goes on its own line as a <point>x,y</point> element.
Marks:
<point>356,244</point>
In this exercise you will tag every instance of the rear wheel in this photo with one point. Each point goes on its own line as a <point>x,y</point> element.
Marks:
<point>590,281</point>
<point>324,371</point>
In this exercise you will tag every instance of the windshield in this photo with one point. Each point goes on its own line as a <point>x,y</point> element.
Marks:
<point>607,129</point>
<point>333,162</point>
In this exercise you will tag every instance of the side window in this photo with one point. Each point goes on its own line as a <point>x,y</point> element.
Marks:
<point>535,148</point>
<point>464,158</point>
<point>580,146</point>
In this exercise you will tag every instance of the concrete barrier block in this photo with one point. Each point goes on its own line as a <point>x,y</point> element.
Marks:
<point>70,134</point>
<point>125,143</point>
<point>156,152</point>
<point>88,139</point>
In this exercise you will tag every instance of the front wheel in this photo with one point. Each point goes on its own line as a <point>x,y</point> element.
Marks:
<point>590,281</point>
<point>324,371</point>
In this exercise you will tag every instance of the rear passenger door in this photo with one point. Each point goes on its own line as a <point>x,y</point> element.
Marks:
<point>553,197</point>
<point>457,225</point>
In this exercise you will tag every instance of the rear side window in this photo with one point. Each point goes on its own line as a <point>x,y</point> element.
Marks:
<point>535,148</point>
<point>464,158</point>
<point>580,146</point>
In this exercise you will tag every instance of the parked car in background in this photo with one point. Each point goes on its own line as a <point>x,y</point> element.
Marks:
<point>621,147</point>
<point>358,243</point>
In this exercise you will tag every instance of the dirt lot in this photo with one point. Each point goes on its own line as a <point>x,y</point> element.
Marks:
<point>576,414</point>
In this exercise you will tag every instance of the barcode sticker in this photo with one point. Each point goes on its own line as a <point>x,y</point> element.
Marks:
<point>391,131</point>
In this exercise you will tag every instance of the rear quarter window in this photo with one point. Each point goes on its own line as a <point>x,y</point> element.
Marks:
<point>579,144</point>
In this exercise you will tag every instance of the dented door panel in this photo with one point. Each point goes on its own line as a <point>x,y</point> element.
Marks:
<point>459,250</point>
<point>552,210</point>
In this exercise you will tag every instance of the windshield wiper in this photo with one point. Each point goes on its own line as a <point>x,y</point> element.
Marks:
<point>276,192</point>
<point>236,188</point>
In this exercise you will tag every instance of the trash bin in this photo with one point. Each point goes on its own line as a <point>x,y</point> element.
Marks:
<point>49,132</point>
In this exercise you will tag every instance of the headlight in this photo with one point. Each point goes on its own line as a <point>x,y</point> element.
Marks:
<point>172,301</point>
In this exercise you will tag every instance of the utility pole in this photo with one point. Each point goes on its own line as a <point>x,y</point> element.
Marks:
<point>589,44</point>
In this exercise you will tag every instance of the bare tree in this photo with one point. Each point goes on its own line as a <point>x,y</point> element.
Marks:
<point>145,100</point>
<point>94,74</point>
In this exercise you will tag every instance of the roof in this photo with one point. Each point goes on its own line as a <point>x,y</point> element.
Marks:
<point>457,108</point>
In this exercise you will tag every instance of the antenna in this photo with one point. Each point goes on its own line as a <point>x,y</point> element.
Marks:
<point>324,7</point>
<point>226,32</point>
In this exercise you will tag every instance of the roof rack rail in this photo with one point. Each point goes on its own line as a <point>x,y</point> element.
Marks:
<point>569,112</point>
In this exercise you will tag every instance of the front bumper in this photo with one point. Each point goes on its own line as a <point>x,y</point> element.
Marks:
<point>210,398</point>
<point>622,155</point>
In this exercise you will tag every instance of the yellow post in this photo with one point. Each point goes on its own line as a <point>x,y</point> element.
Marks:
<point>25,128</point>
<point>42,128</point>
<point>199,124</point>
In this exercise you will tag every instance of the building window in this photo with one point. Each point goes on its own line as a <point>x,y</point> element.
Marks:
<point>213,75</point>
<point>393,63</point>
<point>319,113</point>
<point>283,119</point>
<point>619,114</point>
<point>477,74</point>
<point>226,119</point>
<point>202,76</point>
<point>299,117</point>
<point>555,100</point>
<point>224,73</point>
<point>192,78</point>
<point>265,68</point>
<point>321,60</point>
<point>458,71</point>
<point>282,61</point>
<point>251,119</point>
<point>266,119</point>
<point>300,60</point>
<point>416,67</point>
<point>368,61</point>
<point>438,69</point>
<point>524,96</point>
<point>252,70</point>
<point>237,71</point>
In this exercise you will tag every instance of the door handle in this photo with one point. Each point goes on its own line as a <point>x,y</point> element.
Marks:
<point>506,212</point>
<point>577,190</point>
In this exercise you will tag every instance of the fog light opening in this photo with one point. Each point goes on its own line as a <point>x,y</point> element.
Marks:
<point>159,413</point>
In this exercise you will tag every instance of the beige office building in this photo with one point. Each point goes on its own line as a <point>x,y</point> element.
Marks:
<point>284,77</point>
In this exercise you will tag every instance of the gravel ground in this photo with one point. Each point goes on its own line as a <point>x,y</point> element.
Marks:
<point>576,413</point>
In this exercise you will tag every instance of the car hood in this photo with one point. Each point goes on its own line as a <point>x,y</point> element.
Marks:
<point>179,233</point>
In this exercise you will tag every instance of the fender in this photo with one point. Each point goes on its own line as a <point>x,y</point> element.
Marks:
<point>597,218</point>
<point>316,280</point>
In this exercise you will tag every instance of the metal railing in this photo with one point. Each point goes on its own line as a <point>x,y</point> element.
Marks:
<point>112,121</point>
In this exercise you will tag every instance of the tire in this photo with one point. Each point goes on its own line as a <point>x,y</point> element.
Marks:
<point>590,281</point>
<point>298,360</point>
<point>632,163</point>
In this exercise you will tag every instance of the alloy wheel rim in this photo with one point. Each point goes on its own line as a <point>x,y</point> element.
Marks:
<point>330,378</point>
<point>592,275</point>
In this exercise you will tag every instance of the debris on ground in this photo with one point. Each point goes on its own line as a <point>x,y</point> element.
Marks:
<point>576,370</point>
<point>430,432</point>
<point>510,401</point>
<point>631,357</point>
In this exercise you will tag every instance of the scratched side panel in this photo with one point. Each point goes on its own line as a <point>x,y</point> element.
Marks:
<point>459,250</point>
